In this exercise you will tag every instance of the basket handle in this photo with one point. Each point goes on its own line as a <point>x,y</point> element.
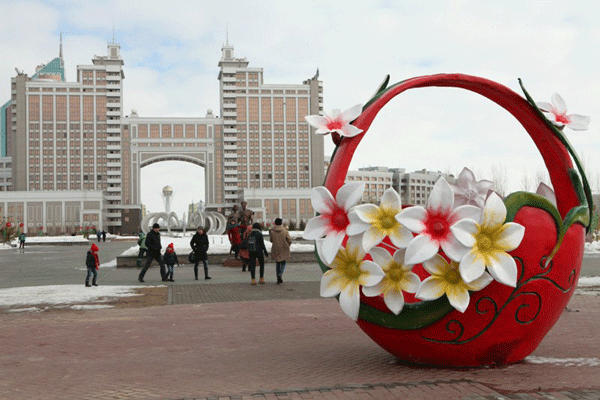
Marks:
<point>553,147</point>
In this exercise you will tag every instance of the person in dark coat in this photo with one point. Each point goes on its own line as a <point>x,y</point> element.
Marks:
<point>154,246</point>
<point>200,245</point>
<point>103,235</point>
<point>256,248</point>
<point>92,263</point>
<point>170,259</point>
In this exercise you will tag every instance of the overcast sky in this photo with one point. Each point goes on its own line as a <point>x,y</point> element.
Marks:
<point>171,51</point>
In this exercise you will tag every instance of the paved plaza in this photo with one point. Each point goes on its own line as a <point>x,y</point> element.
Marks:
<point>224,338</point>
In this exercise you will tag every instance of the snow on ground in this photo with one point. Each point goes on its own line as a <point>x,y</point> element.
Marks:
<point>590,281</point>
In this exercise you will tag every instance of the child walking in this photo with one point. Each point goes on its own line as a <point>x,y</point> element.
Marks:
<point>92,263</point>
<point>170,259</point>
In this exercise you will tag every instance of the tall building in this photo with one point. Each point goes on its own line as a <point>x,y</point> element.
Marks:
<point>72,136</point>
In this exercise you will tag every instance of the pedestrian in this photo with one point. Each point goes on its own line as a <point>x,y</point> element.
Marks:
<point>200,245</point>
<point>256,248</point>
<point>22,238</point>
<point>143,248</point>
<point>154,247</point>
<point>98,235</point>
<point>233,233</point>
<point>244,255</point>
<point>92,263</point>
<point>170,259</point>
<point>280,252</point>
<point>103,235</point>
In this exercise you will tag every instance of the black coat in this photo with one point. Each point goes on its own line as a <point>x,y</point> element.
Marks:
<point>153,243</point>
<point>170,258</point>
<point>260,243</point>
<point>200,245</point>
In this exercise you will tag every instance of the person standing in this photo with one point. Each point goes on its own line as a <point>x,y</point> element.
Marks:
<point>143,248</point>
<point>244,255</point>
<point>99,235</point>
<point>280,252</point>
<point>200,245</point>
<point>154,246</point>
<point>22,238</point>
<point>103,235</point>
<point>256,248</point>
<point>92,263</point>
<point>170,259</point>
<point>234,235</point>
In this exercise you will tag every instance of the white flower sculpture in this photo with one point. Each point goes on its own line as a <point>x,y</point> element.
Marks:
<point>469,190</point>
<point>336,122</point>
<point>557,114</point>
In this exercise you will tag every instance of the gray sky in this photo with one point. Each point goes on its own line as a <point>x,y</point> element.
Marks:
<point>171,51</point>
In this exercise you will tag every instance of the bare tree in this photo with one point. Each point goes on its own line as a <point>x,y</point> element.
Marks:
<point>541,175</point>
<point>498,172</point>
<point>525,181</point>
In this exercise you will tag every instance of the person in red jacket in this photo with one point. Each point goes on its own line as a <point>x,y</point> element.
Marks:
<point>92,263</point>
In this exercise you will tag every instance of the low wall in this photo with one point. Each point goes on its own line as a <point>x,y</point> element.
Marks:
<point>218,259</point>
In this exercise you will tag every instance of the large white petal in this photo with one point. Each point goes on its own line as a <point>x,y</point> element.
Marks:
<point>454,249</point>
<point>316,228</point>
<point>412,282</point>
<point>316,121</point>
<point>471,267</point>
<point>458,298</point>
<point>464,231</point>
<point>366,212</point>
<point>355,242</point>
<point>465,179</point>
<point>331,246</point>
<point>350,194</point>
<point>380,256</point>
<point>504,269</point>
<point>441,197</point>
<point>400,260</point>
<point>372,273</point>
<point>349,131</point>
<point>559,104</point>
<point>328,287</point>
<point>431,288</point>
<point>352,113</point>
<point>512,236</point>
<point>421,248</point>
<point>494,211</point>
<point>357,225</point>
<point>401,237</point>
<point>372,291</point>
<point>435,265</point>
<point>579,122</point>
<point>350,301</point>
<point>544,106</point>
<point>394,301</point>
<point>547,192</point>
<point>390,200</point>
<point>480,282</point>
<point>468,211</point>
<point>412,218</point>
<point>483,186</point>
<point>372,237</point>
<point>321,199</point>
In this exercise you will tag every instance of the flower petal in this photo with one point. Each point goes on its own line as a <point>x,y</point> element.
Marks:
<point>468,211</point>
<point>372,291</point>
<point>355,242</point>
<point>349,131</point>
<point>372,237</point>
<point>317,121</point>
<point>560,107</point>
<point>356,226</point>
<point>316,228</point>
<point>372,273</point>
<point>578,122</point>
<point>401,237</point>
<point>394,300</point>
<point>349,194</point>
<point>331,246</point>
<point>421,248</point>
<point>458,297</point>
<point>412,218</point>
<point>544,106</point>
<point>512,235</point>
<point>464,231</point>
<point>431,288</point>
<point>547,192</point>
<point>321,199</point>
<point>350,301</point>
<point>436,265</point>
<point>480,282</point>
<point>366,212</point>
<point>391,200</point>
<point>454,249</point>
<point>329,286</point>
<point>465,177</point>
<point>494,211</point>
<point>381,256</point>
<point>411,283</point>
<point>471,267</point>
<point>400,260</point>
<point>352,113</point>
<point>441,197</point>
<point>503,268</point>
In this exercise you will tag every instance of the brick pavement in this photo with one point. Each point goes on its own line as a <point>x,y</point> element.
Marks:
<point>268,349</point>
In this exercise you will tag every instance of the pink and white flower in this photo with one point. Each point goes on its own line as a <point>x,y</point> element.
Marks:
<point>349,271</point>
<point>433,225</point>
<point>334,219</point>
<point>469,190</point>
<point>557,114</point>
<point>377,222</point>
<point>446,279</point>
<point>489,243</point>
<point>398,278</point>
<point>336,122</point>
<point>547,192</point>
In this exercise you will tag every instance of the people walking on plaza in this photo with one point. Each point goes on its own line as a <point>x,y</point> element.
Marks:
<point>98,235</point>
<point>244,255</point>
<point>170,259</point>
<point>143,248</point>
<point>200,245</point>
<point>103,235</point>
<point>256,248</point>
<point>22,238</point>
<point>154,247</point>
<point>92,263</point>
<point>234,234</point>
<point>280,252</point>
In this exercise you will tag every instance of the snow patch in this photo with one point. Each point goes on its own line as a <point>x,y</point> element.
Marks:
<point>62,294</point>
<point>565,362</point>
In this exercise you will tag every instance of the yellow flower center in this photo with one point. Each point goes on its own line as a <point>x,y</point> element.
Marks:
<point>385,220</point>
<point>395,273</point>
<point>486,241</point>
<point>452,276</point>
<point>347,263</point>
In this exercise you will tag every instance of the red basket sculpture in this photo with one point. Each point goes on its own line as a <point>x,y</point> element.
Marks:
<point>503,322</point>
